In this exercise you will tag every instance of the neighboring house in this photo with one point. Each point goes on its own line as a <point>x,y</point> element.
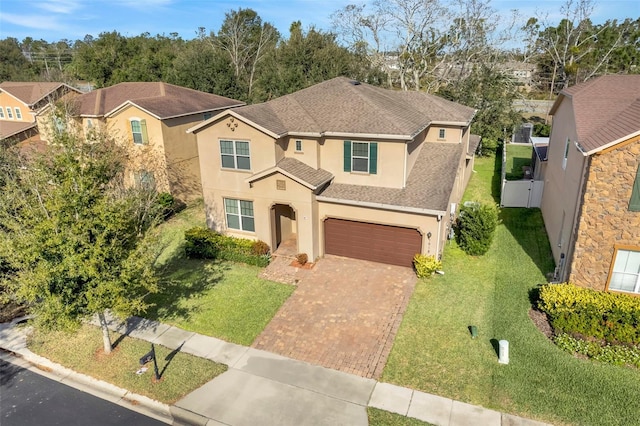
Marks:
<point>21,101</point>
<point>152,119</point>
<point>591,201</point>
<point>342,168</point>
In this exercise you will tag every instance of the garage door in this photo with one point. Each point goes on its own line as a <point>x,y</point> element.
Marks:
<point>369,241</point>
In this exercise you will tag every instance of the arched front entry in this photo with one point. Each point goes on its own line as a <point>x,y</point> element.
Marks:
<point>284,228</point>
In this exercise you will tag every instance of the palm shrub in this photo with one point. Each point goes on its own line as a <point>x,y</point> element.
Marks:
<point>475,227</point>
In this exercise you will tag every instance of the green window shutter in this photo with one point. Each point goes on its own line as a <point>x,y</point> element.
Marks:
<point>373,158</point>
<point>143,127</point>
<point>634,203</point>
<point>347,156</point>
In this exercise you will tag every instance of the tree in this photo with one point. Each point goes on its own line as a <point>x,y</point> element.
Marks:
<point>75,238</point>
<point>246,40</point>
<point>13,64</point>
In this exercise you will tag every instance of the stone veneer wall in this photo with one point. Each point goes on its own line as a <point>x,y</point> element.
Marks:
<point>605,219</point>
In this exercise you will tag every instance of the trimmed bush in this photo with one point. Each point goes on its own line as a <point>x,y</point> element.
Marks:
<point>302,258</point>
<point>169,205</point>
<point>612,317</point>
<point>425,265</point>
<point>260,248</point>
<point>475,227</point>
<point>204,243</point>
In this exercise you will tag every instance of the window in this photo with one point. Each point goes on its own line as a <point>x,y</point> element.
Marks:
<point>566,153</point>
<point>298,146</point>
<point>1,113</point>
<point>239,214</point>
<point>634,202</point>
<point>144,179</point>
<point>361,157</point>
<point>139,131</point>
<point>441,134</point>
<point>9,113</point>
<point>206,116</point>
<point>89,123</point>
<point>235,155</point>
<point>18,113</point>
<point>625,274</point>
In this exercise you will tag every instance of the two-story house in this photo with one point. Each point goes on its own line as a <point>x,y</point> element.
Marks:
<point>151,119</point>
<point>342,168</point>
<point>591,200</point>
<point>21,101</point>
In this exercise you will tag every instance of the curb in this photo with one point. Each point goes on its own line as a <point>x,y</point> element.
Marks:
<point>183,417</point>
<point>101,389</point>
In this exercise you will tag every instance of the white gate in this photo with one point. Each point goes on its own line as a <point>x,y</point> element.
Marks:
<point>521,193</point>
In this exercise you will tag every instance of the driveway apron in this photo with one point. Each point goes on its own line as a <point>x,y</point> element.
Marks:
<point>343,315</point>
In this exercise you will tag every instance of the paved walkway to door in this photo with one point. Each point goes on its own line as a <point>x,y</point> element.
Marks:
<point>343,315</point>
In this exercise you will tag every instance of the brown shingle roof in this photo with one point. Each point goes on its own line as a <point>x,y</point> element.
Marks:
<point>606,109</point>
<point>160,99</point>
<point>474,141</point>
<point>429,185</point>
<point>346,107</point>
<point>29,92</point>
<point>297,170</point>
<point>12,128</point>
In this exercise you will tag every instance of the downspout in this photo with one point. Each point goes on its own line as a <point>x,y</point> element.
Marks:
<point>406,154</point>
<point>576,216</point>
<point>438,239</point>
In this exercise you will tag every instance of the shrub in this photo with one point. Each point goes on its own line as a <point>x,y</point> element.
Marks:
<point>475,227</point>
<point>205,243</point>
<point>169,205</point>
<point>425,265</point>
<point>611,354</point>
<point>612,317</point>
<point>260,248</point>
<point>201,243</point>
<point>302,258</point>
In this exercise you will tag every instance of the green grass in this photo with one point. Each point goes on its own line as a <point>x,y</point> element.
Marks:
<point>221,299</point>
<point>517,157</point>
<point>82,351</point>
<point>385,418</point>
<point>434,352</point>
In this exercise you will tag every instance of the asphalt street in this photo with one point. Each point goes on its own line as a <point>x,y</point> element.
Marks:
<point>27,398</point>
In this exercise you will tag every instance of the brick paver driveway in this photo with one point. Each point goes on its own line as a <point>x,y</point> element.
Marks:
<point>344,315</point>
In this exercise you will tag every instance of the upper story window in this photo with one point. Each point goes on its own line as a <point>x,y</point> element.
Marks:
<point>18,113</point>
<point>625,274</point>
<point>566,153</point>
<point>139,131</point>
<point>89,123</point>
<point>1,113</point>
<point>239,214</point>
<point>235,155</point>
<point>206,116</point>
<point>9,113</point>
<point>298,146</point>
<point>361,157</point>
<point>634,202</point>
<point>441,134</point>
<point>144,179</point>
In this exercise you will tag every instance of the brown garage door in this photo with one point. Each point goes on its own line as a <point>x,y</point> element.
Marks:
<point>369,241</point>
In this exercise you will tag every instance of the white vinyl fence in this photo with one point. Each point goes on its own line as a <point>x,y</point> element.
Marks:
<point>519,193</point>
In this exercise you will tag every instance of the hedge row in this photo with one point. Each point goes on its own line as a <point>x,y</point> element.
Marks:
<point>203,243</point>
<point>612,317</point>
<point>611,354</point>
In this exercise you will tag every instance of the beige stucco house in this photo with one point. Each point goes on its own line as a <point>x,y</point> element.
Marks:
<point>151,119</point>
<point>20,102</point>
<point>339,168</point>
<point>591,200</point>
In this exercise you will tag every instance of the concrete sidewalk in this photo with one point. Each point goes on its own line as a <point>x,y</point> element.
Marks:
<point>268,389</point>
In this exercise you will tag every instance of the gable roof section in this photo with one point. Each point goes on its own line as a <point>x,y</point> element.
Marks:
<point>298,171</point>
<point>342,107</point>
<point>12,128</point>
<point>606,110</point>
<point>428,188</point>
<point>162,100</point>
<point>31,93</point>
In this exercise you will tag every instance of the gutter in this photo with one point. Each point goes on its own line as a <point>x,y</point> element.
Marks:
<point>401,209</point>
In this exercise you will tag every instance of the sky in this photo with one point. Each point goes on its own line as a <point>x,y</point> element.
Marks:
<point>54,20</point>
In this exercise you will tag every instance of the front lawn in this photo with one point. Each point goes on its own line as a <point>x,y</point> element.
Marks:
<point>434,352</point>
<point>220,299</point>
<point>180,373</point>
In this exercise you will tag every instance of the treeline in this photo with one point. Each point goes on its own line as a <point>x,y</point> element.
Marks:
<point>247,59</point>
